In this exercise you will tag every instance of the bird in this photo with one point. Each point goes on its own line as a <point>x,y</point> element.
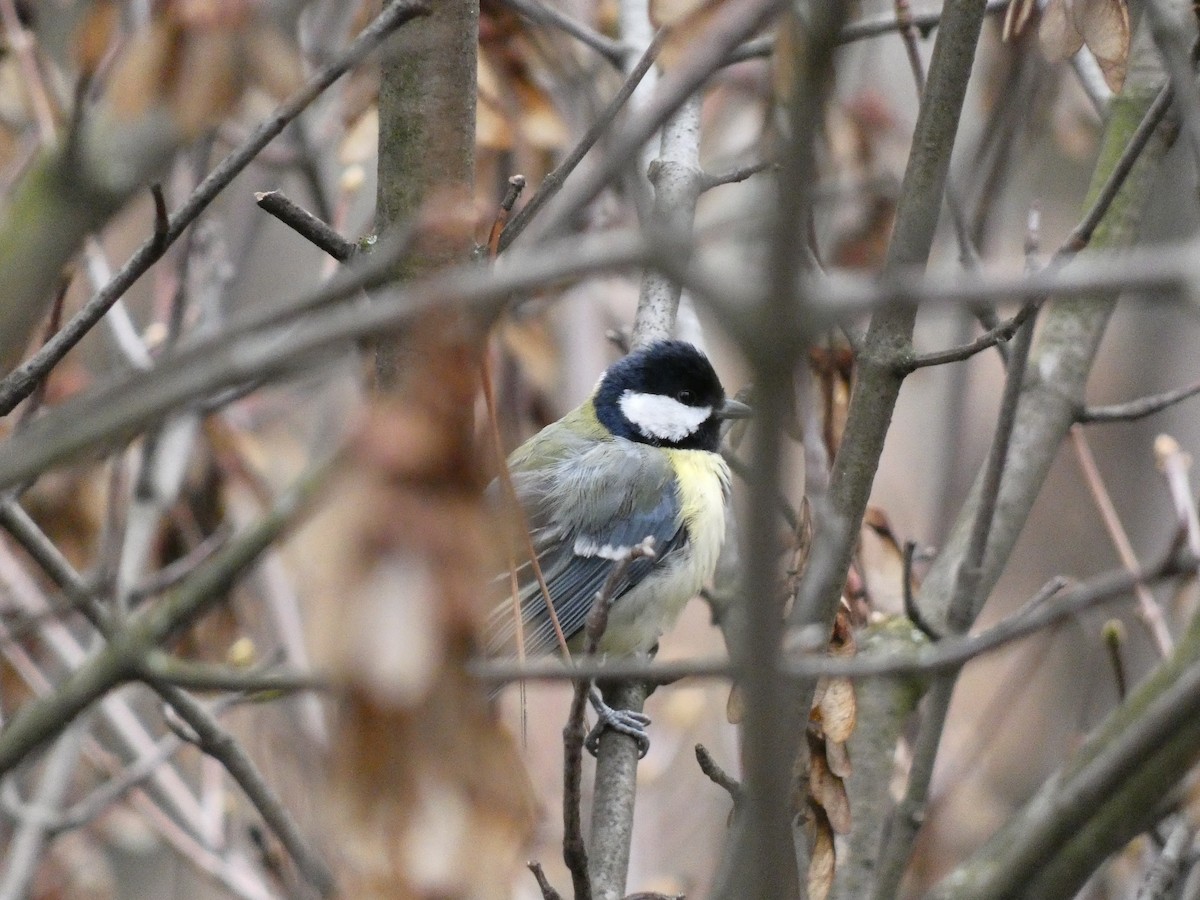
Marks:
<point>639,459</point>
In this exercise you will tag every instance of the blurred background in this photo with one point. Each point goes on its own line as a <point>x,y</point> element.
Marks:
<point>1028,141</point>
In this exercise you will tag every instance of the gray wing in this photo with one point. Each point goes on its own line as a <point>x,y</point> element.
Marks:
<point>608,516</point>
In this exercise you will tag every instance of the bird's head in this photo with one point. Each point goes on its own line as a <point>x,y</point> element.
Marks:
<point>666,394</point>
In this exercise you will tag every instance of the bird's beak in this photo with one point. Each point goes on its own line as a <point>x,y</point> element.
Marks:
<point>734,409</point>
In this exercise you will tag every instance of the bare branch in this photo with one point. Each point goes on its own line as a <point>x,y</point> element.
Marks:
<point>1082,234</point>
<point>1149,611</point>
<point>716,774</point>
<point>1137,409</point>
<point>1051,605</point>
<point>993,337</point>
<point>1164,874</point>
<point>306,224</point>
<point>547,889</point>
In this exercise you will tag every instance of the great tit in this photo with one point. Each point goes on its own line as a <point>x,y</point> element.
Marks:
<point>639,459</point>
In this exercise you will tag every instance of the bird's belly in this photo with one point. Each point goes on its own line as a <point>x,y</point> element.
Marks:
<point>637,619</point>
<point>640,617</point>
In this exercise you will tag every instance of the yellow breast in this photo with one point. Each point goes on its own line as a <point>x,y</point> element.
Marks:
<point>703,489</point>
<point>651,607</point>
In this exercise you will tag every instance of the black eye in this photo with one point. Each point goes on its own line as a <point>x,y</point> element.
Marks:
<point>685,397</point>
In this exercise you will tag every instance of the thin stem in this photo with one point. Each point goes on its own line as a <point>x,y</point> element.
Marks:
<point>306,224</point>
<point>1137,409</point>
<point>999,334</point>
<point>1149,611</point>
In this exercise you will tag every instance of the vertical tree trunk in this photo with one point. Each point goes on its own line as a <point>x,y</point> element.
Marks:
<point>427,145</point>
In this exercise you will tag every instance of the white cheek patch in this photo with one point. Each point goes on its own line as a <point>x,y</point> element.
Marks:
<point>662,417</point>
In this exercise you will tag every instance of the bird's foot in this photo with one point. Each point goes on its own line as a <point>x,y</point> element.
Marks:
<point>625,721</point>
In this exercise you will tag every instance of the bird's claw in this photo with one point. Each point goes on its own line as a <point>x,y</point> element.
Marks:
<point>624,721</point>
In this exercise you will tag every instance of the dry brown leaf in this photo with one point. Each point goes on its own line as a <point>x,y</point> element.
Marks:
<point>827,790</point>
<point>735,706</point>
<point>821,857</point>
<point>193,62</point>
<point>834,706</point>
<point>515,110</point>
<point>1016,17</point>
<point>833,371</point>
<point>1104,25</point>
<point>1101,25</point>
<point>881,564</point>
<point>1057,35</point>
<point>837,754</point>
<point>838,709</point>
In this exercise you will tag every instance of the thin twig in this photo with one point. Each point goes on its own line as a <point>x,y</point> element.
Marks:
<point>218,743</point>
<point>21,42</point>
<point>879,26</point>
<point>718,776</point>
<point>710,180</point>
<point>306,224</point>
<point>1164,873</point>
<point>1181,69</point>
<point>908,32</point>
<point>120,659</point>
<point>162,220</point>
<point>1175,464</point>
<point>1136,409</point>
<point>911,608</point>
<point>250,359</point>
<point>516,184</point>
<point>1149,612</point>
<point>999,334</point>
<point>964,607</point>
<point>36,819</point>
<point>174,572</point>
<point>728,26</point>
<point>269,680</point>
<point>544,885</point>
